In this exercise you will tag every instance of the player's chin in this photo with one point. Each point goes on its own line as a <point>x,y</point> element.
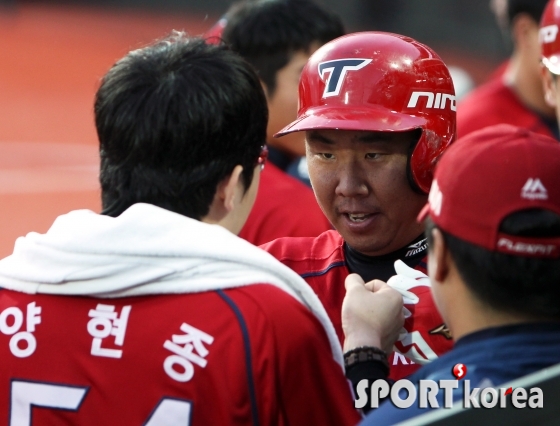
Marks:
<point>366,247</point>
<point>371,244</point>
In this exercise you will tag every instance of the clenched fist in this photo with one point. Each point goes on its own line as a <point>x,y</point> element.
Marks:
<point>372,314</point>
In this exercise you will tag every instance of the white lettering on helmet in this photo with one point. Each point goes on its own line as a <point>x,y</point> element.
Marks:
<point>433,100</point>
<point>337,71</point>
<point>548,34</point>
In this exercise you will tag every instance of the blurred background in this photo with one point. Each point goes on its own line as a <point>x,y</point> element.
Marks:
<point>53,54</point>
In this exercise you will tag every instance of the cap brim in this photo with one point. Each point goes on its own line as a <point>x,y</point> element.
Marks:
<point>424,213</point>
<point>552,63</point>
<point>341,118</point>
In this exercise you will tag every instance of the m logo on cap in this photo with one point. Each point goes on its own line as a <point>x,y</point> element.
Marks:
<point>534,190</point>
<point>338,69</point>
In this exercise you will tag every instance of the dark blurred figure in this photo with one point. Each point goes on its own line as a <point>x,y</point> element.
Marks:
<point>515,96</point>
<point>493,229</point>
<point>277,37</point>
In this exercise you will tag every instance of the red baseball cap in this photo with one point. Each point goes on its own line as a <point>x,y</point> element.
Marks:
<point>490,174</point>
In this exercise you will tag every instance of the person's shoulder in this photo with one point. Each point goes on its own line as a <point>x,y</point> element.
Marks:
<point>274,179</point>
<point>326,247</point>
<point>271,312</point>
<point>258,296</point>
<point>282,190</point>
<point>489,104</point>
<point>284,207</point>
<point>484,98</point>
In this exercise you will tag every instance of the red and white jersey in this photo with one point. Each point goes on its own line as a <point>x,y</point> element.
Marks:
<point>321,262</point>
<point>495,103</point>
<point>152,318</point>
<point>212,358</point>
<point>284,207</point>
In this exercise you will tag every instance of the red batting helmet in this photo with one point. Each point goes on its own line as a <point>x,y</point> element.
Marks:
<point>380,82</point>
<point>548,36</point>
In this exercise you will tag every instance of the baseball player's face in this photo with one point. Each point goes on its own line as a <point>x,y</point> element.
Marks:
<point>360,182</point>
<point>283,104</point>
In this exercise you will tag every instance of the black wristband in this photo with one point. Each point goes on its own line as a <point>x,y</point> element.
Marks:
<point>366,354</point>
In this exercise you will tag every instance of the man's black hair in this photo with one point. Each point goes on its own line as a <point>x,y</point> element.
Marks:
<point>173,120</point>
<point>268,32</point>
<point>533,8</point>
<point>517,285</point>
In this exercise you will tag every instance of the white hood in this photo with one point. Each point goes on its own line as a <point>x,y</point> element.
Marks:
<point>146,250</point>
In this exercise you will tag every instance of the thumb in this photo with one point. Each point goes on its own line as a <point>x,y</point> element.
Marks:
<point>352,281</point>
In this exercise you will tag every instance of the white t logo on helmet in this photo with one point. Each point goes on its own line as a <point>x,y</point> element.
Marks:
<point>337,70</point>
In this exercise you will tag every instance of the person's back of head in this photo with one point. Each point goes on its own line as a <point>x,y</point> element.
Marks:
<point>496,201</point>
<point>267,33</point>
<point>519,21</point>
<point>507,11</point>
<point>173,120</point>
<point>276,37</point>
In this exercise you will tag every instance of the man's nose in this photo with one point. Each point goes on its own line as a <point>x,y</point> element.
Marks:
<point>351,181</point>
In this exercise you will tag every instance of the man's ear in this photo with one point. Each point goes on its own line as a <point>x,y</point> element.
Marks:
<point>439,256</point>
<point>228,188</point>
<point>265,90</point>
<point>522,28</point>
<point>549,86</point>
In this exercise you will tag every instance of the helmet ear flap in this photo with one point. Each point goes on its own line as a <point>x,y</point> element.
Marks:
<point>409,175</point>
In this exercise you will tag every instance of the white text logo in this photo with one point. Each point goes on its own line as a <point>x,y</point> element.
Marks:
<point>103,323</point>
<point>433,100</point>
<point>404,394</point>
<point>534,190</point>
<point>518,247</point>
<point>14,316</point>
<point>188,349</point>
<point>416,248</point>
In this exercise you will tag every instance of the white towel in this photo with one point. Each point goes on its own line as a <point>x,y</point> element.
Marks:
<point>146,250</point>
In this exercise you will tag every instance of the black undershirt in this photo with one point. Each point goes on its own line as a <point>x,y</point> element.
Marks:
<point>382,267</point>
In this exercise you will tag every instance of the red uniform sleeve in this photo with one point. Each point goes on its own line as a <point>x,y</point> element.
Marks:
<point>309,385</point>
<point>495,103</point>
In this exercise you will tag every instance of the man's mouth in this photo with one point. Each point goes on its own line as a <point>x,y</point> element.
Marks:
<point>358,217</point>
